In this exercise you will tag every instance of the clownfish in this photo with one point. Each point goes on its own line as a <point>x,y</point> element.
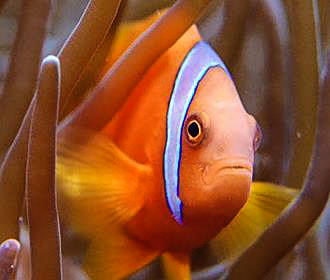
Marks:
<point>170,172</point>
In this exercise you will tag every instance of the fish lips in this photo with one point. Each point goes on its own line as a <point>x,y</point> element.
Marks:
<point>230,167</point>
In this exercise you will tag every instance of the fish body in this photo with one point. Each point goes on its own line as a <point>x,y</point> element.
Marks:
<point>139,130</point>
<point>169,171</point>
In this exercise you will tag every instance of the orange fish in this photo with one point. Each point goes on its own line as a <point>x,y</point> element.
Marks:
<point>169,172</point>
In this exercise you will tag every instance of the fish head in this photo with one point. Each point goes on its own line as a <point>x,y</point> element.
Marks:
<point>219,140</point>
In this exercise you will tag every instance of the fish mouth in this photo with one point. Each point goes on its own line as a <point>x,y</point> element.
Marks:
<point>235,168</point>
<point>232,167</point>
<point>227,167</point>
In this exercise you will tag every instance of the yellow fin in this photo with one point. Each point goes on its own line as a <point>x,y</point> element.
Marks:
<point>264,205</point>
<point>176,266</point>
<point>97,184</point>
<point>114,255</point>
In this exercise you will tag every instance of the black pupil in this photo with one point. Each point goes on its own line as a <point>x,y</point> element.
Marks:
<point>193,129</point>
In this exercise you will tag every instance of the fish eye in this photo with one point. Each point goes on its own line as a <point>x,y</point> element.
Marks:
<point>194,130</point>
<point>257,138</point>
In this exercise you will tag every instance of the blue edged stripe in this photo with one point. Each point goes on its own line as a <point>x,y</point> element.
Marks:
<point>192,70</point>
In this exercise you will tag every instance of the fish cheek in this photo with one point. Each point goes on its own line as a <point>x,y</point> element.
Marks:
<point>191,181</point>
<point>194,162</point>
<point>218,199</point>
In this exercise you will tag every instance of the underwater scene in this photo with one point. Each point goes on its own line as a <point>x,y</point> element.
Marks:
<point>164,139</point>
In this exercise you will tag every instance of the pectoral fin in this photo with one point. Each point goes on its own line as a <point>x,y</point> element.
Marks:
<point>114,256</point>
<point>264,205</point>
<point>176,266</point>
<point>98,185</point>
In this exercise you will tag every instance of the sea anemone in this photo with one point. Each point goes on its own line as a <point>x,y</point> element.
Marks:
<point>37,97</point>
